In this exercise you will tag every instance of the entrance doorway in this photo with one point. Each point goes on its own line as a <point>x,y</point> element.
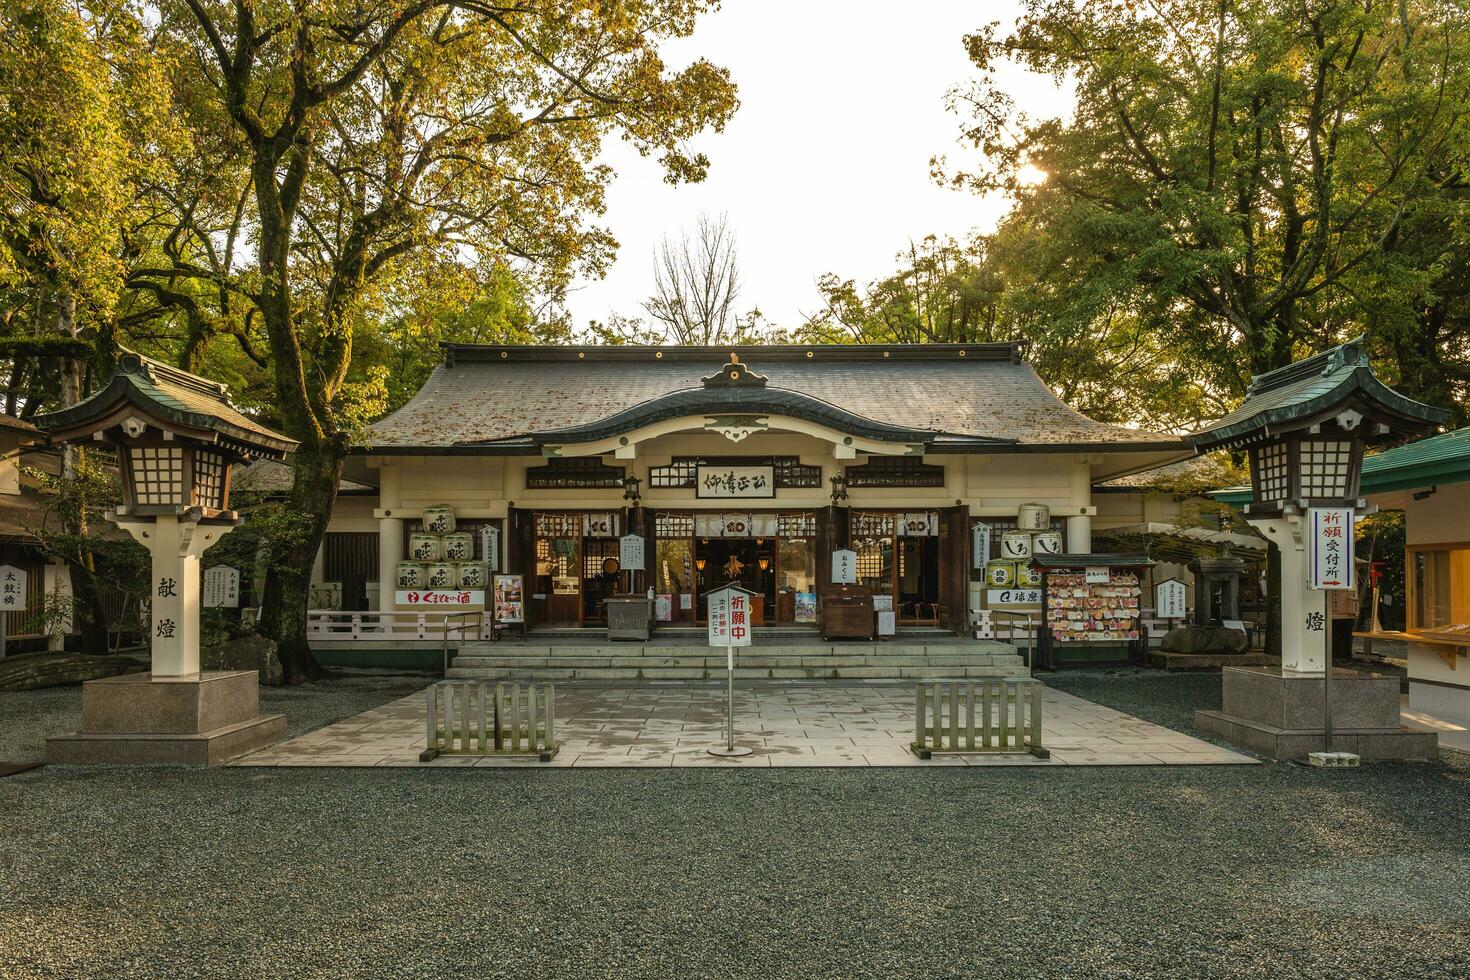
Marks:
<point>774,555</point>
<point>746,562</point>
<point>898,557</point>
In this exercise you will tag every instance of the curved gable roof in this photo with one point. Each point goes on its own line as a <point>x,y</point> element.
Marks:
<point>976,396</point>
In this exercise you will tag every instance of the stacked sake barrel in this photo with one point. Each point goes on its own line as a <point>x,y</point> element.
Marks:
<point>440,557</point>
<point>1033,536</point>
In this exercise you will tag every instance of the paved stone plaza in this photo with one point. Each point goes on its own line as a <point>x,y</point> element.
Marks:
<point>786,725</point>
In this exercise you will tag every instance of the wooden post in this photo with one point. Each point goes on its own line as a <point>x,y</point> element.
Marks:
<point>550,716</point>
<point>515,717</point>
<point>919,715</point>
<point>985,687</point>
<point>970,715</point>
<point>431,742</point>
<point>499,725</point>
<point>531,715</point>
<point>954,715</point>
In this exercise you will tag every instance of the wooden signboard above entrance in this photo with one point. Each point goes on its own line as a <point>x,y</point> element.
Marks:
<point>735,482</point>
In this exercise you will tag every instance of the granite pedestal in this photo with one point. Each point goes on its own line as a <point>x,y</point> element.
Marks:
<point>138,719</point>
<point>1279,714</point>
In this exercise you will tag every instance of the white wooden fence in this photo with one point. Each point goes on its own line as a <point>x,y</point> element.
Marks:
<point>331,624</point>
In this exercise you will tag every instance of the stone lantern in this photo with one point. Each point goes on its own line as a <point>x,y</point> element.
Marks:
<point>176,436</point>
<point>1305,427</point>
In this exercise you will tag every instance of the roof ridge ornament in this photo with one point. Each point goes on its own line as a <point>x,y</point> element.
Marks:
<point>735,375</point>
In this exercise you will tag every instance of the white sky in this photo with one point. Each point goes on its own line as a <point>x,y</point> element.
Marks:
<point>825,167</point>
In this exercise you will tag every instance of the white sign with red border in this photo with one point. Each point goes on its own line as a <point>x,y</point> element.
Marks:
<point>1330,548</point>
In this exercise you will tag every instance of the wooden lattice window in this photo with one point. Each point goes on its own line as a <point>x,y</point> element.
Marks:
<point>802,525</point>
<point>575,473</point>
<point>872,525</point>
<point>895,471</point>
<point>673,525</point>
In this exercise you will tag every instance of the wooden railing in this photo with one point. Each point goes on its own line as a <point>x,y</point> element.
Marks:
<point>986,714</point>
<point>330,624</point>
<point>475,718</point>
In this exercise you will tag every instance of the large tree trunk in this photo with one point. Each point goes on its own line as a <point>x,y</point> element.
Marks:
<point>88,614</point>
<point>318,469</point>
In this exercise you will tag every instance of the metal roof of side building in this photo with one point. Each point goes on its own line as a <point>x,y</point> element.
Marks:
<point>949,397</point>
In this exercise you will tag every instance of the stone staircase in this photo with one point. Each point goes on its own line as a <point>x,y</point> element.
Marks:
<point>811,660</point>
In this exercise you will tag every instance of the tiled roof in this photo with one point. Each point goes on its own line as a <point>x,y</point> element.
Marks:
<point>487,395</point>
<point>1311,387</point>
<point>1194,475</point>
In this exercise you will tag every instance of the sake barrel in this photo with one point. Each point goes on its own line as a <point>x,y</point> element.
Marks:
<point>1000,574</point>
<point>1033,517</point>
<point>411,575</point>
<point>1046,543</point>
<point>1028,576</point>
<point>459,547</point>
<point>443,575</point>
<point>472,575</point>
<point>1015,544</point>
<point>439,520</point>
<point>423,547</point>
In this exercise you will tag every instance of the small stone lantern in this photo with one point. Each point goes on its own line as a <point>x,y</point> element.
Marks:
<point>1305,427</point>
<point>176,436</point>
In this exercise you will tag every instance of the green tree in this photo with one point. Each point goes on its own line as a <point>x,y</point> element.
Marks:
<point>1240,175</point>
<point>377,134</point>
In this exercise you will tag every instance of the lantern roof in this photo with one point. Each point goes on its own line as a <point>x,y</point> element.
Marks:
<point>172,400</point>
<point>1338,382</point>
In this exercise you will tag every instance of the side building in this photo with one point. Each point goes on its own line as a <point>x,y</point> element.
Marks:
<point>748,464</point>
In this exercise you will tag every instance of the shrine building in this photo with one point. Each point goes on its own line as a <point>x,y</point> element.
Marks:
<point>931,464</point>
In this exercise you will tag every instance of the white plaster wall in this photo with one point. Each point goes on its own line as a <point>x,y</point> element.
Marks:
<point>1443,518</point>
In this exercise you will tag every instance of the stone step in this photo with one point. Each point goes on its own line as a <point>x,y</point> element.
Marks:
<point>749,660</point>
<point>481,648</point>
<point>814,673</point>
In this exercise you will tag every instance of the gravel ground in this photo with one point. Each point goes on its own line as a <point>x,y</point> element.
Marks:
<point>1271,870</point>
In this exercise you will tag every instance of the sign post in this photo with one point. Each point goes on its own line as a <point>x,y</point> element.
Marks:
<point>12,597</point>
<point>730,627</point>
<point>1329,569</point>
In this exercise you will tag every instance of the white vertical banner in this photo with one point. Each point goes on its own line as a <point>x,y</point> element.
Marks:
<point>1330,548</point>
<point>490,547</point>
<point>980,544</point>
<point>844,567</point>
